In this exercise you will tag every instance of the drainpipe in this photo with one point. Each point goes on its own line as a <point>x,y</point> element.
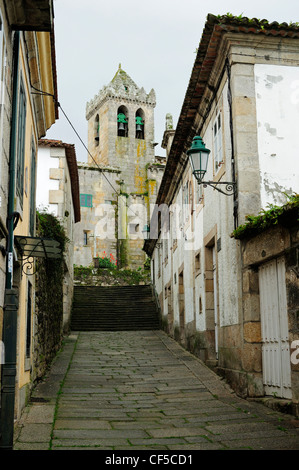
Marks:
<point>8,371</point>
<point>235,196</point>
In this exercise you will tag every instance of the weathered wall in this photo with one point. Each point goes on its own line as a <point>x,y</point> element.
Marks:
<point>275,242</point>
<point>203,218</point>
<point>49,307</point>
<point>5,117</point>
<point>277,99</point>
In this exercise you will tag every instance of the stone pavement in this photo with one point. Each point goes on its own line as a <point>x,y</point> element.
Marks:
<point>142,390</point>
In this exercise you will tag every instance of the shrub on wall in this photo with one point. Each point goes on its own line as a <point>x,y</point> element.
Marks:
<point>49,295</point>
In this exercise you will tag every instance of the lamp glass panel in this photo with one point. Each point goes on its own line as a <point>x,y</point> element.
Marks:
<point>204,156</point>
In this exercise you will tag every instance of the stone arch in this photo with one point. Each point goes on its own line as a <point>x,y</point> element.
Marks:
<point>97,129</point>
<point>122,121</point>
<point>139,124</point>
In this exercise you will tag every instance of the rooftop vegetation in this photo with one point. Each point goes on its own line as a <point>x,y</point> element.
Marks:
<point>287,215</point>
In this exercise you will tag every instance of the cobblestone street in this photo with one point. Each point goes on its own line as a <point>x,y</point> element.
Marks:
<point>142,390</point>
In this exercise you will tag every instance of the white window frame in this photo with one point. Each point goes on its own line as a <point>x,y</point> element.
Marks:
<point>218,141</point>
<point>186,200</point>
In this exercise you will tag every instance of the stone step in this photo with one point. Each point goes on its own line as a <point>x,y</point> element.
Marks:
<point>115,308</point>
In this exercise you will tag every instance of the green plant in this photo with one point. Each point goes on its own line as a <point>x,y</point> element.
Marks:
<point>82,270</point>
<point>48,226</point>
<point>266,218</point>
<point>147,264</point>
<point>107,261</point>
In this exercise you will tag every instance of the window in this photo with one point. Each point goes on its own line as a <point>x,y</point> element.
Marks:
<point>97,129</point>
<point>122,121</point>
<point>21,143</point>
<point>186,196</point>
<point>217,138</point>
<point>197,264</point>
<point>85,200</point>
<point>133,228</point>
<point>139,122</point>
<point>85,238</point>
<point>32,188</point>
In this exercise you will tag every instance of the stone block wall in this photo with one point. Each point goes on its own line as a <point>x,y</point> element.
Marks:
<point>273,243</point>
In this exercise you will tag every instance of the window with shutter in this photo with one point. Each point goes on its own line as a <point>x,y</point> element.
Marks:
<point>217,137</point>
<point>32,189</point>
<point>85,200</point>
<point>21,143</point>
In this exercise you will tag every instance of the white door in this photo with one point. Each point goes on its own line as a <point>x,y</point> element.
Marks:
<point>215,300</point>
<point>274,321</point>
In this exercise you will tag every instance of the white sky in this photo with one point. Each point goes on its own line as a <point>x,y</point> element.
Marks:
<point>155,42</point>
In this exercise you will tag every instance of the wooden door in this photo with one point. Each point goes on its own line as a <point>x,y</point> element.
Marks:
<point>274,321</point>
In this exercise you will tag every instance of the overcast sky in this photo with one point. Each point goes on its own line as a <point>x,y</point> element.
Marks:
<point>155,42</point>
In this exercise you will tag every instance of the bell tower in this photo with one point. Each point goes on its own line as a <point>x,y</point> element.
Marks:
<point>121,141</point>
<point>121,122</point>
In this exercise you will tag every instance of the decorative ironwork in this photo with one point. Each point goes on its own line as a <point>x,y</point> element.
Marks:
<point>229,187</point>
<point>28,264</point>
<point>34,247</point>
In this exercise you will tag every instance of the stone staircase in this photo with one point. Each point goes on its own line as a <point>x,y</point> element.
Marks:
<point>114,308</point>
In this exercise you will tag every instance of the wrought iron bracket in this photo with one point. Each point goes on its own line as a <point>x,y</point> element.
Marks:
<point>229,190</point>
<point>28,263</point>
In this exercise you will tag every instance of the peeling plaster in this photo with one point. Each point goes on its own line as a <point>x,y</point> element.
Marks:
<point>270,129</point>
<point>276,113</point>
<point>272,80</point>
<point>277,192</point>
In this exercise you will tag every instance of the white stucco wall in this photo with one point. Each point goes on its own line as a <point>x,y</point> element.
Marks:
<point>216,217</point>
<point>277,105</point>
<point>44,184</point>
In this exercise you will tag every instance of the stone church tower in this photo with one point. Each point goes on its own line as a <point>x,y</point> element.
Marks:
<point>121,178</point>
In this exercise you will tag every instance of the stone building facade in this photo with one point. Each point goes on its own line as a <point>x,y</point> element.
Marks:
<point>242,101</point>
<point>120,180</point>
<point>58,193</point>
<point>28,108</point>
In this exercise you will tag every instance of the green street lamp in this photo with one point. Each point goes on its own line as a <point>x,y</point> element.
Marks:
<point>198,156</point>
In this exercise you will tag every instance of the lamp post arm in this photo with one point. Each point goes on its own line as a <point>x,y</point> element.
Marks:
<point>230,187</point>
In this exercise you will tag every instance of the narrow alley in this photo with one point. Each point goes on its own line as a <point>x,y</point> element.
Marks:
<point>140,390</point>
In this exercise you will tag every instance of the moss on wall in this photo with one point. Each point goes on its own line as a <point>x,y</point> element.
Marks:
<point>123,252</point>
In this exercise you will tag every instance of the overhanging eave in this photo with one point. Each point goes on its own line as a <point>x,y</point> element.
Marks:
<point>26,15</point>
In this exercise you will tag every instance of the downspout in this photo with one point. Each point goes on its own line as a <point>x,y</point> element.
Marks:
<point>229,98</point>
<point>8,370</point>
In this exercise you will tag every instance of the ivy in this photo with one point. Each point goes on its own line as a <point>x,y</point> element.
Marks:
<point>285,215</point>
<point>48,226</point>
<point>49,295</point>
